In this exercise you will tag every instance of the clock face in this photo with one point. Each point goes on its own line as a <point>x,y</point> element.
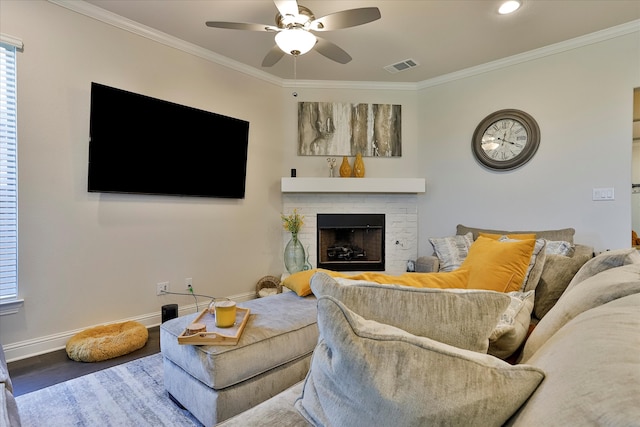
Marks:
<point>506,139</point>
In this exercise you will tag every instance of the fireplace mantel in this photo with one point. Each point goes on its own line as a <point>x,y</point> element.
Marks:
<point>353,185</point>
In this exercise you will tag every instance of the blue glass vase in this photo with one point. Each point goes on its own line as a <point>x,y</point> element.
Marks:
<point>294,257</point>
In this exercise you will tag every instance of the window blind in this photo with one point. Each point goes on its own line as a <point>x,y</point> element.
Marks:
<point>8,175</point>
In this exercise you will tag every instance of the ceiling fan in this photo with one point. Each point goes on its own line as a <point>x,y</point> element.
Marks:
<point>294,26</point>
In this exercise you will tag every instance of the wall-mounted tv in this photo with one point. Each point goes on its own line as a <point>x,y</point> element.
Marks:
<point>145,145</point>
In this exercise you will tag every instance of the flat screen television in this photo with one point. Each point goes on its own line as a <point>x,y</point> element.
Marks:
<point>145,145</point>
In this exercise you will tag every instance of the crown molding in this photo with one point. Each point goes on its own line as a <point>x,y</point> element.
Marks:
<point>118,21</point>
<point>588,39</point>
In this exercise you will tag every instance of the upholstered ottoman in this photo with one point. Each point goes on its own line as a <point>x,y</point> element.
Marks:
<point>216,382</point>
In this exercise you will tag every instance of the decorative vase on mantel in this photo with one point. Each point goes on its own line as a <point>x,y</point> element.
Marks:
<point>345,168</point>
<point>294,257</point>
<point>358,166</point>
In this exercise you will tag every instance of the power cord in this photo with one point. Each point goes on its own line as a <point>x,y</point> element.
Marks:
<point>191,292</point>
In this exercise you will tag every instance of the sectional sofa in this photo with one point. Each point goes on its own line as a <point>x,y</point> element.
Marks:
<point>579,366</point>
<point>526,341</point>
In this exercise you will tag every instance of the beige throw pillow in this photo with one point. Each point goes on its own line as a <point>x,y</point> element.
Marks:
<point>462,318</point>
<point>365,373</point>
<point>513,326</point>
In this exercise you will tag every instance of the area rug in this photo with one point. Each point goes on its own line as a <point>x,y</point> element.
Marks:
<point>131,394</point>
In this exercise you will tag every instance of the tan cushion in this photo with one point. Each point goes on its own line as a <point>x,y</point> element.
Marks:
<point>366,373</point>
<point>556,275</point>
<point>461,318</point>
<point>565,234</point>
<point>509,236</point>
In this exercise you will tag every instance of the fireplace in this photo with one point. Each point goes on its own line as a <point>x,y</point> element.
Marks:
<point>350,242</point>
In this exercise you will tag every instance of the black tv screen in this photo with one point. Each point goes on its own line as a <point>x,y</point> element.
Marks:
<point>145,145</point>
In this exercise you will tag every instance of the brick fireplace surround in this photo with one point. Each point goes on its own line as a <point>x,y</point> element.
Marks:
<point>395,197</point>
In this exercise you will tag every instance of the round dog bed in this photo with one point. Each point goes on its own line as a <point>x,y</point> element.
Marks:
<point>107,341</point>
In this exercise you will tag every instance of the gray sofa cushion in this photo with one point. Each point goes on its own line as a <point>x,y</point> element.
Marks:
<point>462,318</point>
<point>605,261</point>
<point>592,371</point>
<point>565,234</point>
<point>365,373</point>
<point>597,290</point>
<point>279,411</point>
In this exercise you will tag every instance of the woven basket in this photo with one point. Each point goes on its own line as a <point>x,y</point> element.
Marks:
<point>269,282</point>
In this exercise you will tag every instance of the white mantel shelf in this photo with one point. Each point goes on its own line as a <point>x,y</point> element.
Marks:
<point>354,185</point>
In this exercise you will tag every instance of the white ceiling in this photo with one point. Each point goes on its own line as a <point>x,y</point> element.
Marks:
<point>443,36</point>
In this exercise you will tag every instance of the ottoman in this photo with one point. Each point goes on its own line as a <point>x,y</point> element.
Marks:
<point>216,382</point>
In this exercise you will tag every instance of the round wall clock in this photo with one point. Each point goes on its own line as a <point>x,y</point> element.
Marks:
<point>505,140</point>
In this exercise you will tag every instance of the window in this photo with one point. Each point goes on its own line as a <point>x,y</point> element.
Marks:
<point>8,175</point>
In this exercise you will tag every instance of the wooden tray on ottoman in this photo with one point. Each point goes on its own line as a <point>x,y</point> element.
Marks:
<point>215,335</point>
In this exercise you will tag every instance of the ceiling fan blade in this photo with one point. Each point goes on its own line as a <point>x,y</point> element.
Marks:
<point>287,7</point>
<point>273,56</point>
<point>332,51</point>
<point>346,19</point>
<point>241,26</point>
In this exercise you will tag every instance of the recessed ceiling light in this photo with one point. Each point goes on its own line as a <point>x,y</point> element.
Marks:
<point>509,7</point>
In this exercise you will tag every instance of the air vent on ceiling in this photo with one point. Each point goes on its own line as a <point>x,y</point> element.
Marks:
<point>401,66</point>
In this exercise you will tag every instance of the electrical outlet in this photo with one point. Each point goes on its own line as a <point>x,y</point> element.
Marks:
<point>188,283</point>
<point>162,287</point>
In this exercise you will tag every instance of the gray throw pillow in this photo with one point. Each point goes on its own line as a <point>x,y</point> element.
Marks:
<point>365,373</point>
<point>451,251</point>
<point>462,318</point>
<point>593,292</point>
<point>556,275</point>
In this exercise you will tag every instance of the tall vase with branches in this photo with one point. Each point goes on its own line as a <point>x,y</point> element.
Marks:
<point>294,255</point>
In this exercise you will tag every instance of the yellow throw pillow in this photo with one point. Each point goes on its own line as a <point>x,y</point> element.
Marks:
<point>498,266</point>
<point>300,282</point>
<point>510,236</point>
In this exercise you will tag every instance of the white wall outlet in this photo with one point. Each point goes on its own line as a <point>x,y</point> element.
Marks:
<point>607,194</point>
<point>188,283</point>
<point>162,287</point>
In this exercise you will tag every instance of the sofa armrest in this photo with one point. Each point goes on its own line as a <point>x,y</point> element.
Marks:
<point>427,264</point>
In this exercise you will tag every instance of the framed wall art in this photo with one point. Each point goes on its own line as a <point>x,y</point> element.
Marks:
<point>339,129</point>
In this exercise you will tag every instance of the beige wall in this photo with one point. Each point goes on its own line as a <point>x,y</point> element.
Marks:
<point>87,259</point>
<point>582,100</point>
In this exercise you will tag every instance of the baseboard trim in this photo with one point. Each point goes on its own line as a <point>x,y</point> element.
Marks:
<point>46,344</point>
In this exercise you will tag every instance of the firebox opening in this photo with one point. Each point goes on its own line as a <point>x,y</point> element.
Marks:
<point>351,242</point>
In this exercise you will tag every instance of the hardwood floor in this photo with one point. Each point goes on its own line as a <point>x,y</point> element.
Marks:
<point>42,371</point>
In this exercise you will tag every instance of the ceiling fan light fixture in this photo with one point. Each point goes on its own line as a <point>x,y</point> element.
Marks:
<point>295,41</point>
<point>509,6</point>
